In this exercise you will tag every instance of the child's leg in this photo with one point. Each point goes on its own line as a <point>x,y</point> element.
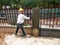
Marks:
<point>21,26</point>
<point>17,28</point>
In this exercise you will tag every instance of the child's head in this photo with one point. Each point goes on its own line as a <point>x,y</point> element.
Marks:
<point>21,10</point>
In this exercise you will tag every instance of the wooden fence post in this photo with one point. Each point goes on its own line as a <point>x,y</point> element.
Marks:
<point>35,21</point>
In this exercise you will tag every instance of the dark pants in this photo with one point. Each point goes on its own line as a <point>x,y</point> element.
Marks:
<point>20,26</point>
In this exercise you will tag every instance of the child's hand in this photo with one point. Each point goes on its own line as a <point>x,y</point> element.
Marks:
<point>30,22</point>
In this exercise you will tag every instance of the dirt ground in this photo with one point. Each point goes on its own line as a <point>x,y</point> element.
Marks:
<point>6,39</point>
<point>9,30</point>
<point>13,29</point>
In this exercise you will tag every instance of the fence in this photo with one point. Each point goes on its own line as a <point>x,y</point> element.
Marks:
<point>8,17</point>
<point>49,17</point>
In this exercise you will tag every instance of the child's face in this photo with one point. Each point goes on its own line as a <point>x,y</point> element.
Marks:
<point>21,11</point>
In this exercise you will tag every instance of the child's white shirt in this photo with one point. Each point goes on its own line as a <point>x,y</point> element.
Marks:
<point>21,18</point>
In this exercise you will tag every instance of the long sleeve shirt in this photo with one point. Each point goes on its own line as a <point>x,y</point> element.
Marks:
<point>21,18</point>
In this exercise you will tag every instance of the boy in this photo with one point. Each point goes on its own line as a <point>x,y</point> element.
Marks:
<point>20,21</point>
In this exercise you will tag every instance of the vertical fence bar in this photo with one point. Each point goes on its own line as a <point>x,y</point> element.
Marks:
<point>4,18</point>
<point>12,18</point>
<point>54,17</point>
<point>44,17</point>
<point>50,17</point>
<point>57,18</point>
<point>40,19</point>
<point>30,21</point>
<point>26,15</point>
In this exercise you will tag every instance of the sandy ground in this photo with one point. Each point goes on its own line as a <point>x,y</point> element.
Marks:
<point>11,39</point>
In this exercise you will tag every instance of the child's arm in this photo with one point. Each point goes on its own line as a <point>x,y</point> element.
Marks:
<point>25,17</point>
